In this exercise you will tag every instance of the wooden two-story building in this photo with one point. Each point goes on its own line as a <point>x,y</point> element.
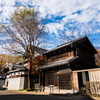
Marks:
<point>65,64</point>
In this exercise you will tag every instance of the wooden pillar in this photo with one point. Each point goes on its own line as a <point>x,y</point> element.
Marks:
<point>40,80</point>
<point>43,81</point>
<point>72,84</point>
<point>58,82</point>
<point>75,82</point>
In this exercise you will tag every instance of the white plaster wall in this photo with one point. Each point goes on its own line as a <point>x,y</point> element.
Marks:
<point>94,75</point>
<point>16,83</point>
<point>2,82</point>
<point>66,91</point>
<point>55,90</point>
<point>21,86</point>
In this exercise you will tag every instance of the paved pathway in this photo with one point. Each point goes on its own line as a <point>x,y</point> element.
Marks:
<point>21,95</point>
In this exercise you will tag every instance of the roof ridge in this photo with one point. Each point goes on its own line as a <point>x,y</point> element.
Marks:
<point>70,42</point>
<point>73,40</point>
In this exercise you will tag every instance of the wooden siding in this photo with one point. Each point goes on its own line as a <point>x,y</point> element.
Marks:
<point>61,56</point>
<point>75,82</point>
<point>85,56</point>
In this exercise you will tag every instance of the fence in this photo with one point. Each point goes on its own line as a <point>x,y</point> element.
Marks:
<point>93,88</point>
<point>37,87</point>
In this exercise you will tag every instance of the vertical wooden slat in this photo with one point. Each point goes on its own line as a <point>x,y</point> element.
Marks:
<point>65,80</point>
<point>75,82</point>
<point>58,81</point>
<point>51,78</point>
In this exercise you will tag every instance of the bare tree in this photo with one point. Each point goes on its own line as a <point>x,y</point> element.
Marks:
<point>25,34</point>
<point>75,32</point>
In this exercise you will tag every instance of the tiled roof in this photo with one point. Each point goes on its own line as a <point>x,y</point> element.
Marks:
<point>57,63</point>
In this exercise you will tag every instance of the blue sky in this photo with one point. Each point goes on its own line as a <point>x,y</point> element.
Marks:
<point>61,15</point>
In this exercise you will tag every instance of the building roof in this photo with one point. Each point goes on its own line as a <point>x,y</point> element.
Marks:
<point>75,41</point>
<point>7,65</point>
<point>83,70</point>
<point>2,75</point>
<point>18,70</point>
<point>57,63</point>
<point>18,63</point>
<point>17,66</point>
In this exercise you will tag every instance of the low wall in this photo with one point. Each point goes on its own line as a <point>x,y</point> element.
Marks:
<point>56,90</point>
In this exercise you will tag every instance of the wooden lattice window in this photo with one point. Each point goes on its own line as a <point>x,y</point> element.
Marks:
<point>65,80</point>
<point>51,78</point>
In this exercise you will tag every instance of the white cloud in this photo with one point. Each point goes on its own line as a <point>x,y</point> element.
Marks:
<point>2,50</point>
<point>57,7</point>
<point>53,27</point>
<point>89,12</point>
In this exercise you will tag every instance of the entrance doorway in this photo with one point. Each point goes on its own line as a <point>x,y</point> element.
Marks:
<point>82,78</point>
<point>80,81</point>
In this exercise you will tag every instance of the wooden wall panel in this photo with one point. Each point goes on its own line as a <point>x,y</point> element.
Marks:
<point>75,82</point>
<point>61,56</point>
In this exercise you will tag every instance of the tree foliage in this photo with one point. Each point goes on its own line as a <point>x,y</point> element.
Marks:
<point>4,59</point>
<point>97,58</point>
<point>37,62</point>
<point>9,59</point>
<point>25,33</point>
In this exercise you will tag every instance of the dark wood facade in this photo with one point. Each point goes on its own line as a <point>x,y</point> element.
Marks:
<point>81,49</point>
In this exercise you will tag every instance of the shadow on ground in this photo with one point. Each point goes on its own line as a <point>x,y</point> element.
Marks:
<point>19,96</point>
<point>74,96</point>
<point>3,89</point>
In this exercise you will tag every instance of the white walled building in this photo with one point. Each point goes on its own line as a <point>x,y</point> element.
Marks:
<point>17,79</point>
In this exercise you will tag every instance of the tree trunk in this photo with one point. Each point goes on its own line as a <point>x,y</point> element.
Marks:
<point>29,75</point>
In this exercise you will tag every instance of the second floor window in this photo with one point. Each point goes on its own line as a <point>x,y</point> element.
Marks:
<point>61,56</point>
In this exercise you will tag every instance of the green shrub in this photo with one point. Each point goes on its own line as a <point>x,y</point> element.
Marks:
<point>27,89</point>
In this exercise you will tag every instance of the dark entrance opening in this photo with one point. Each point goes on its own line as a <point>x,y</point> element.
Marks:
<point>87,76</point>
<point>80,81</point>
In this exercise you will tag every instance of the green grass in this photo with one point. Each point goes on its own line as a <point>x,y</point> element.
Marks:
<point>27,89</point>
